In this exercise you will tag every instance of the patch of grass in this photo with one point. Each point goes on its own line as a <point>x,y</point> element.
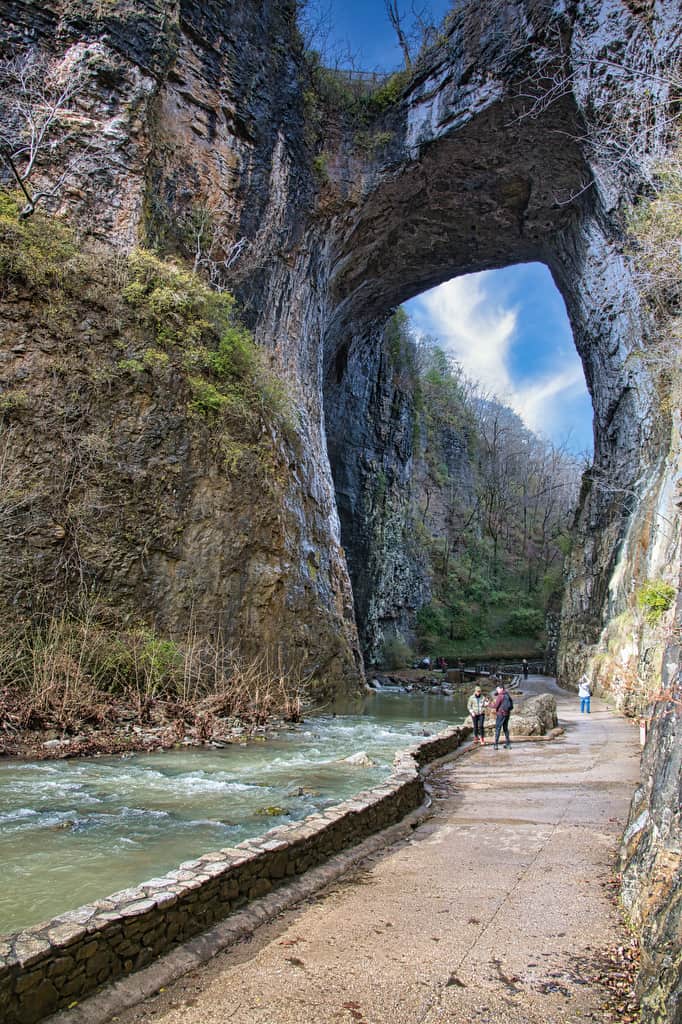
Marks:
<point>14,401</point>
<point>40,251</point>
<point>655,598</point>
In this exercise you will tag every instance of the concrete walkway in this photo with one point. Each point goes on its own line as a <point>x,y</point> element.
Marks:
<point>493,910</point>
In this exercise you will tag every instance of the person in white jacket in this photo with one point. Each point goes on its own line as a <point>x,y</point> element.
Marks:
<point>476,706</point>
<point>584,692</point>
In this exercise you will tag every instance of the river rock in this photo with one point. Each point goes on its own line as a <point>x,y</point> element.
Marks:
<point>532,717</point>
<point>360,760</point>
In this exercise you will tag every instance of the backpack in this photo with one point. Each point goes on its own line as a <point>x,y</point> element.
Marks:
<point>507,704</point>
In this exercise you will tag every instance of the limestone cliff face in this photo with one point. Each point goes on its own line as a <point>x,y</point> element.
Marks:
<point>369,428</point>
<point>181,112</point>
<point>518,138</point>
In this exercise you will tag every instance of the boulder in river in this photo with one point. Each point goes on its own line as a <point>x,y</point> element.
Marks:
<point>360,760</point>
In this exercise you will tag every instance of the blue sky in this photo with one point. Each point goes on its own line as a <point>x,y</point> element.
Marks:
<point>508,328</point>
<point>362,27</point>
<point>510,331</point>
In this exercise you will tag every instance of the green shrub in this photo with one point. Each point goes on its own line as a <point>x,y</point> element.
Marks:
<point>430,621</point>
<point>389,92</point>
<point>174,302</point>
<point>207,400</point>
<point>321,167</point>
<point>396,653</point>
<point>525,622</point>
<point>40,251</point>
<point>131,365</point>
<point>655,598</point>
<point>13,401</point>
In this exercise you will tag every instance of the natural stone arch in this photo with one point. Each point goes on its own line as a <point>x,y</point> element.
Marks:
<point>475,180</point>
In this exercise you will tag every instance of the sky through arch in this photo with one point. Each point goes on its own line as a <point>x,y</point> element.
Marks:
<point>509,330</point>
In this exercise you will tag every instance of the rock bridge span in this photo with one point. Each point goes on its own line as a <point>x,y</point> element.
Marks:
<point>507,148</point>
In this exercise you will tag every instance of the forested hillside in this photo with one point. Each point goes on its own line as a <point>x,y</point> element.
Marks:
<point>488,511</point>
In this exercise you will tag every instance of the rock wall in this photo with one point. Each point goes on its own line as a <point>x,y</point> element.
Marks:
<point>180,114</point>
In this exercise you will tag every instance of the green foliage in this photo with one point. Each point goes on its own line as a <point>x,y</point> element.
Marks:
<point>40,251</point>
<point>396,653</point>
<point>400,348</point>
<point>154,360</point>
<point>13,401</point>
<point>372,142</point>
<point>491,513</point>
<point>389,92</point>
<point>655,598</point>
<point>131,365</point>
<point>359,102</point>
<point>526,622</point>
<point>321,167</point>
<point>430,621</point>
<point>174,302</point>
<point>207,399</point>
<point>175,323</point>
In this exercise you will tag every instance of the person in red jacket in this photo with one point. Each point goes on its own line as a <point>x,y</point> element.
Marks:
<point>502,705</point>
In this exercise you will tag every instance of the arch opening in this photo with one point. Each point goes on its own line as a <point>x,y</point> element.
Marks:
<point>409,477</point>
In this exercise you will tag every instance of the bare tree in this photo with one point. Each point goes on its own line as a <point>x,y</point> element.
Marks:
<point>207,227</point>
<point>38,121</point>
<point>396,19</point>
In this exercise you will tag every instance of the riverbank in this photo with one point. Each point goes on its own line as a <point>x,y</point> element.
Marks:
<point>499,907</point>
<point>123,731</point>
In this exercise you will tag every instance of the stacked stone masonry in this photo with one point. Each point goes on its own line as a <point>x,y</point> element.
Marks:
<point>53,965</point>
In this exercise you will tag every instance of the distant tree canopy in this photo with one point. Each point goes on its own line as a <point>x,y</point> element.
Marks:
<point>492,503</point>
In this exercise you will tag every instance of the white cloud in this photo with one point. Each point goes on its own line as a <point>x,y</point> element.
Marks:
<point>537,401</point>
<point>471,319</point>
<point>471,325</point>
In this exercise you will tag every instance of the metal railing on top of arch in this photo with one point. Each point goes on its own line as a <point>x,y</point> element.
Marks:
<point>368,77</point>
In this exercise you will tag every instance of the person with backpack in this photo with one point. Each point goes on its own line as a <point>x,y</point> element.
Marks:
<point>584,692</point>
<point>502,706</point>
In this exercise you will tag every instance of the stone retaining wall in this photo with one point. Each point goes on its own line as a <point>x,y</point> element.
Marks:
<point>55,965</point>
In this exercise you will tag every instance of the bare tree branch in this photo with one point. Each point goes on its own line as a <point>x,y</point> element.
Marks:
<point>39,122</point>
<point>396,19</point>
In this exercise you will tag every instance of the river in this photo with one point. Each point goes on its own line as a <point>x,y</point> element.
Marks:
<point>74,831</point>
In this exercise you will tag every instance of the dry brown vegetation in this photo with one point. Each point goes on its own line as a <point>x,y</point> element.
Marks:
<point>116,687</point>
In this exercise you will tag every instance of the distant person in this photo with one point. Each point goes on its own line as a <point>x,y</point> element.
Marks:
<point>476,706</point>
<point>584,692</point>
<point>502,706</point>
<point>425,662</point>
<point>524,668</point>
